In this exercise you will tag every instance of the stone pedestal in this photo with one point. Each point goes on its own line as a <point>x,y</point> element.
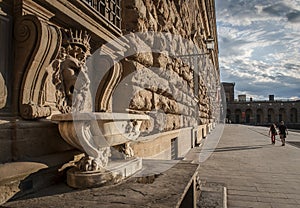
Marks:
<point>117,171</point>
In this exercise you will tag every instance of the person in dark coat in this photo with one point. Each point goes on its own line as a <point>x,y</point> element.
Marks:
<point>282,132</point>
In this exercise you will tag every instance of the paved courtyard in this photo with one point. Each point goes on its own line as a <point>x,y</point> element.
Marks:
<point>255,172</point>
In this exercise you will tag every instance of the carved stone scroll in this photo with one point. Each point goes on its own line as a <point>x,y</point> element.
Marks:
<point>37,44</point>
<point>110,74</point>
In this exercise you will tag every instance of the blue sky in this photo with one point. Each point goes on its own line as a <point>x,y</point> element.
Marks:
<point>259,47</point>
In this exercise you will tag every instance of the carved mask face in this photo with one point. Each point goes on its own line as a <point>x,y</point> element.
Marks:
<point>70,69</point>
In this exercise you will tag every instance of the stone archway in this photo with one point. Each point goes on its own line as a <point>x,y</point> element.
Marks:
<point>259,116</point>
<point>293,115</point>
<point>271,115</point>
<point>248,116</point>
<point>238,116</point>
<point>282,115</point>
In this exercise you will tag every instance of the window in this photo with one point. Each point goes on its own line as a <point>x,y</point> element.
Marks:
<point>110,9</point>
<point>174,149</point>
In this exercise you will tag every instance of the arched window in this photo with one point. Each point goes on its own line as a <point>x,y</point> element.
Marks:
<point>238,116</point>
<point>249,116</point>
<point>259,116</point>
<point>271,115</point>
<point>293,115</point>
<point>282,115</point>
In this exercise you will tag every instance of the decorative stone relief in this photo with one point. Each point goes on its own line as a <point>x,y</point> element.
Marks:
<point>33,55</point>
<point>70,73</point>
<point>34,111</point>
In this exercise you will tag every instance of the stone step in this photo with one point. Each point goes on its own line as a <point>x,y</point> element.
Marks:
<point>212,195</point>
<point>18,179</point>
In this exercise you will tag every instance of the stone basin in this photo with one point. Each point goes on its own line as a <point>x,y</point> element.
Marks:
<point>115,128</point>
<point>95,132</point>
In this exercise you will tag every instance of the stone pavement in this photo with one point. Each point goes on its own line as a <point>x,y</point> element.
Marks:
<point>163,184</point>
<point>255,172</point>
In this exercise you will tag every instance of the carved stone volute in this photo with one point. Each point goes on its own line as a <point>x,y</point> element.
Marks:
<point>37,44</point>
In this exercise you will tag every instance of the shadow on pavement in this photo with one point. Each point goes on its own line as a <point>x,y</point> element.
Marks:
<point>237,148</point>
<point>296,144</point>
<point>56,189</point>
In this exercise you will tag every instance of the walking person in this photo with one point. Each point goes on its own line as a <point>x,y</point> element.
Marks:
<point>282,132</point>
<point>273,133</point>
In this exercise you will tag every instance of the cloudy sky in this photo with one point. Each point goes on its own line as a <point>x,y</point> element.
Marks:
<point>259,47</point>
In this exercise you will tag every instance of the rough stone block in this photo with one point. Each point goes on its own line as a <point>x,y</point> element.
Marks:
<point>5,147</point>
<point>160,60</point>
<point>172,122</point>
<point>42,135</point>
<point>141,100</point>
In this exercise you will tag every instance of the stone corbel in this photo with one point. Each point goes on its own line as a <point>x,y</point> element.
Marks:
<point>37,44</point>
<point>110,77</point>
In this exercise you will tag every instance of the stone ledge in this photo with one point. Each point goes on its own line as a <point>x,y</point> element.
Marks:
<point>12,174</point>
<point>18,170</point>
<point>171,187</point>
<point>20,178</point>
<point>212,195</point>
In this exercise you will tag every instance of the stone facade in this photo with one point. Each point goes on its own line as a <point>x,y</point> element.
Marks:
<point>262,112</point>
<point>172,90</point>
<point>175,90</point>
<point>163,70</point>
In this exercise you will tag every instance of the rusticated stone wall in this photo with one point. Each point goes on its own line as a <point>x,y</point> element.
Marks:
<point>170,88</point>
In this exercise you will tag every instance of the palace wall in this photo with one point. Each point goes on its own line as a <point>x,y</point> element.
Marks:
<point>177,91</point>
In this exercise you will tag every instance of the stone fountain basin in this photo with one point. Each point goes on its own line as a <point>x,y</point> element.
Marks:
<point>101,128</point>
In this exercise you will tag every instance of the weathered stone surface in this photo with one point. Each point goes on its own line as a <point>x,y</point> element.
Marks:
<point>116,172</point>
<point>147,79</point>
<point>3,92</point>
<point>142,100</point>
<point>171,74</point>
<point>160,60</point>
<point>166,190</point>
<point>211,195</point>
<point>172,122</point>
<point>38,36</point>
<point>139,50</point>
<point>28,134</point>
<point>33,111</point>
<point>11,176</point>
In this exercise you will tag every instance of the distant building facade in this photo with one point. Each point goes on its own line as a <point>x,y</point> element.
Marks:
<point>261,112</point>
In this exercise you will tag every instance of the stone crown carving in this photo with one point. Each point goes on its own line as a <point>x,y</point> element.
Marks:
<point>70,73</point>
<point>76,44</point>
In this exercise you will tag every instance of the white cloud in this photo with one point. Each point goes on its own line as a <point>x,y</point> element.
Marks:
<point>259,46</point>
